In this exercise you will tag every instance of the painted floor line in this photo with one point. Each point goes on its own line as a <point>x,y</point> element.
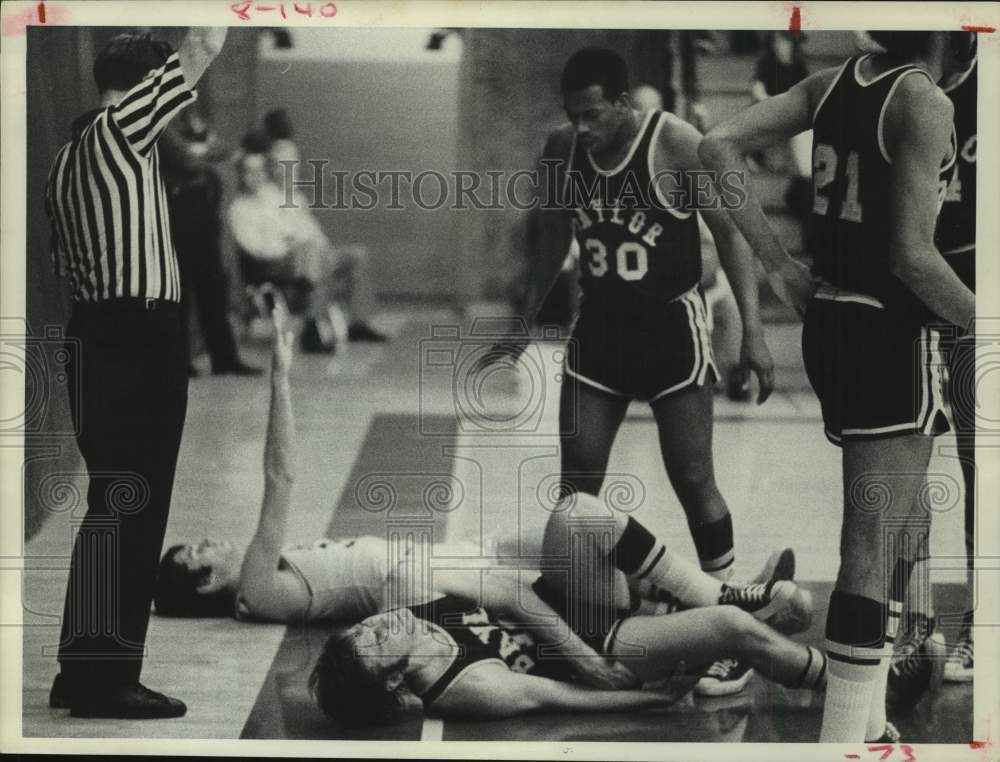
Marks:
<point>433,729</point>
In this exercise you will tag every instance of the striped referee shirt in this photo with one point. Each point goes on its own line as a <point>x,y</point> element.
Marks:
<point>105,197</point>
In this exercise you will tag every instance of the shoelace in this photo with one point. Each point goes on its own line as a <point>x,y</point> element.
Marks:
<point>750,595</point>
<point>963,652</point>
<point>908,661</point>
<point>721,668</point>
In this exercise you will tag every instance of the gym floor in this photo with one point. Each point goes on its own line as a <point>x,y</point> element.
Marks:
<point>386,440</point>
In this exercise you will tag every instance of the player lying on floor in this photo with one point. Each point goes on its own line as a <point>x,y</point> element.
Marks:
<point>339,580</point>
<point>485,651</point>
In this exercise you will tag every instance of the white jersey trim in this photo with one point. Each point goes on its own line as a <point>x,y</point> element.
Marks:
<point>628,157</point>
<point>651,166</point>
<point>829,89</point>
<point>883,75</point>
<point>833,294</point>
<point>965,76</point>
<point>885,103</point>
<point>591,382</point>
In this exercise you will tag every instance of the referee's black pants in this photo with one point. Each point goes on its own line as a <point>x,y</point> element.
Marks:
<point>128,396</point>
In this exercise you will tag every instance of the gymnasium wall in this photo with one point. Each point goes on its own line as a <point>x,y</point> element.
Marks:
<point>381,103</point>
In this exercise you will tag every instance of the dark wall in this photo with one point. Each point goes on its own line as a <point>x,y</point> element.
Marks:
<point>380,116</point>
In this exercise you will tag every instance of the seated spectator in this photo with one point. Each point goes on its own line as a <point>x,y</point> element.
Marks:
<point>188,150</point>
<point>286,246</point>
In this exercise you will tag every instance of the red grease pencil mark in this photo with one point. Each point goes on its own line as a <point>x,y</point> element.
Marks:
<point>852,756</point>
<point>980,744</point>
<point>983,29</point>
<point>41,13</point>
<point>795,23</point>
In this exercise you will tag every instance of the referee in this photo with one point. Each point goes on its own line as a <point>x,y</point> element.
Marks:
<point>128,389</point>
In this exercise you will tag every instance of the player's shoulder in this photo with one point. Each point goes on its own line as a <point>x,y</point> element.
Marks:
<point>671,129</point>
<point>917,99</point>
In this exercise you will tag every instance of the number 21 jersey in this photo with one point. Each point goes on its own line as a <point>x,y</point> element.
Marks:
<point>851,221</point>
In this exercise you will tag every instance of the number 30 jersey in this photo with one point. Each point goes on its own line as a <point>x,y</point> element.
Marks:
<point>851,224</point>
<point>635,241</point>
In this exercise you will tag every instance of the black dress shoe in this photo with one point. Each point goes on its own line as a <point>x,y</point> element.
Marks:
<point>127,702</point>
<point>317,339</point>
<point>237,368</point>
<point>364,332</point>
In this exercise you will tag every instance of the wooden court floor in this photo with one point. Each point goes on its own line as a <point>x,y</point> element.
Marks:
<point>391,414</point>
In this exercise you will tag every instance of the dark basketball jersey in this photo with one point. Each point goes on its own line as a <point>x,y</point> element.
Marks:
<point>956,227</point>
<point>851,232</point>
<point>634,241</point>
<point>481,637</point>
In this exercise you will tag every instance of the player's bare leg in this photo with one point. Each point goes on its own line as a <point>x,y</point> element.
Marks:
<point>589,420</point>
<point>684,422</point>
<point>881,482</point>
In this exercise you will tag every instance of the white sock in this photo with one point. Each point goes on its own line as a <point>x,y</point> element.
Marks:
<point>723,575</point>
<point>876,712</point>
<point>845,710</point>
<point>681,578</point>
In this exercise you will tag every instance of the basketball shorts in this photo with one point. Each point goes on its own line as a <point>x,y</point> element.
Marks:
<point>645,350</point>
<point>876,375</point>
<point>595,623</point>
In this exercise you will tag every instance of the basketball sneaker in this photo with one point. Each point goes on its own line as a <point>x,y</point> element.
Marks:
<point>769,600</point>
<point>724,678</point>
<point>917,666</point>
<point>889,735</point>
<point>772,598</point>
<point>959,666</point>
<point>780,565</point>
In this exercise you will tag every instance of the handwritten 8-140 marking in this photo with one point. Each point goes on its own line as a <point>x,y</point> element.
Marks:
<point>242,10</point>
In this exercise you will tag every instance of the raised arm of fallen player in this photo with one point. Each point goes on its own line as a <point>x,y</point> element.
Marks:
<point>917,132</point>
<point>677,149</point>
<point>271,592</point>
<point>723,150</point>
<point>554,240</point>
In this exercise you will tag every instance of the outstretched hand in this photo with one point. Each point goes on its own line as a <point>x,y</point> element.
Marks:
<point>283,338</point>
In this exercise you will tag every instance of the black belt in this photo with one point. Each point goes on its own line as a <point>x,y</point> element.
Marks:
<point>128,304</point>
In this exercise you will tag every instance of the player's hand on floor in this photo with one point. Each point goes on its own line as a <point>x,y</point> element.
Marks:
<point>756,357</point>
<point>599,672</point>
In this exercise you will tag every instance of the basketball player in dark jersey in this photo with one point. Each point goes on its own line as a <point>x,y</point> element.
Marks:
<point>883,150</point>
<point>473,654</point>
<point>956,240</point>
<point>918,664</point>
<point>622,187</point>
